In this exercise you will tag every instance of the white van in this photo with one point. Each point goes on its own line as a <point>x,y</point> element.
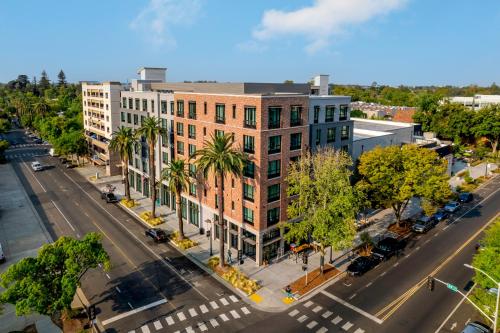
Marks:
<point>52,152</point>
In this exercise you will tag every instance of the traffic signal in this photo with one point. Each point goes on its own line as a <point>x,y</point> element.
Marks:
<point>91,312</point>
<point>430,283</point>
<point>240,255</point>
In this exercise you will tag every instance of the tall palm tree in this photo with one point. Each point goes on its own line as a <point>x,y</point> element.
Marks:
<point>123,142</point>
<point>151,129</point>
<point>178,180</point>
<point>220,157</point>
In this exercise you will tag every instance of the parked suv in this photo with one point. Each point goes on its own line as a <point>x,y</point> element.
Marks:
<point>361,265</point>
<point>424,224</point>
<point>465,197</point>
<point>156,234</point>
<point>387,247</point>
<point>109,197</point>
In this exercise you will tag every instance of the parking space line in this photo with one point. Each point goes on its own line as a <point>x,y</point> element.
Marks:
<point>235,314</point>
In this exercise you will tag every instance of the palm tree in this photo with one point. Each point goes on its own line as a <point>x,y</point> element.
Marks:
<point>178,179</point>
<point>40,107</point>
<point>219,156</point>
<point>151,129</point>
<point>123,142</point>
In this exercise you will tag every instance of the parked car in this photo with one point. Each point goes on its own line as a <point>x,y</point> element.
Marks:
<point>452,207</point>
<point>52,152</point>
<point>63,160</point>
<point>424,224</point>
<point>361,265</point>
<point>476,327</point>
<point>387,247</point>
<point>70,165</point>
<point>441,215</point>
<point>465,197</point>
<point>2,255</point>
<point>156,234</point>
<point>38,141</point>
<point>36,166</point>
<point>109,197</point>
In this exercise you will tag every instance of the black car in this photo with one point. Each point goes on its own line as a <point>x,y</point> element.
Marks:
<point>109,197</point>
<point>387,247</point>
<point>70,165</point>
<point>156,234</point>
<point>424,224</point>
<point>361,265</point>
<point>38,141</point>
<point>465,197</point>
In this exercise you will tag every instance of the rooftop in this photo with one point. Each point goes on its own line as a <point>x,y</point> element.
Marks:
<point>243,88</point>
<point>361,134</point>
<point>380,125</point>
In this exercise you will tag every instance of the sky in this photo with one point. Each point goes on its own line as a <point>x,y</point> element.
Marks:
<point>394,42</point>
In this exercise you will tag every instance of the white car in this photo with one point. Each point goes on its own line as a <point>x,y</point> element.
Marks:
<point>36,166</point>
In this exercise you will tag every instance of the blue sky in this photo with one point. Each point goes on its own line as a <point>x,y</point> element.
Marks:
<point>414,42</point>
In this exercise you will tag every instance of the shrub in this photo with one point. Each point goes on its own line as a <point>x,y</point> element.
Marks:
<point>497,170</point>
<point>129,203</point>
<point>185,243</point>
<point>235,277</point>
<point>476,162</point>
<point>469,180</point>
<point>148,218</point>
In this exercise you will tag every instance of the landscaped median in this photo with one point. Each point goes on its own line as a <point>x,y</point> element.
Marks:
<point>236,278</point>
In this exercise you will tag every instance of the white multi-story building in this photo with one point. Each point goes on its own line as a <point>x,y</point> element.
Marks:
<point>477,102</point>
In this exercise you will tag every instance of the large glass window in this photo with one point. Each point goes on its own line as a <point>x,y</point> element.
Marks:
<point>329,113</point>
<point>144,105</point>
<point>164,157</point>
<point>273,169</point>
<point>248,215</point>
<point>172,108</point>
<point>192,110</point>
<point>273,193</point>
<point>124,102</point>
<point>192,188</point>
<point>180,129</point>
<point>180,108</point>
<point>344,133</point>
<point>136,119</point>
<point>219,133</point>
<point>330,135</point>
<point>295,141</point>
<point>274,117</point>
<point>163,105</point>
<point>274,146</point>
<point>273,216</point>
<point>248,192</point>
<point>296,115</point>
<point>192,131</point>
<point>180,147</point>
<point>192,170</point>
<point>220,113</point>
<point>316,114</point>
<point>250,117</point>
<point>318,136</point>
<point>192,150</point>
<point>129,118</point>
<point>123,116</point>
<point>343,112</point>
<point>130,103</point>
<point>248,144</point>
<point>137,102</point>
<point>249,169</point>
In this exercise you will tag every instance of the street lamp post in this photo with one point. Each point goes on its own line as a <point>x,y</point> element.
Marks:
<point>495,316</point>
<point>207,221</point>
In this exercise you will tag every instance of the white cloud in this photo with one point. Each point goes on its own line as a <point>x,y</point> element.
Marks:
<point>322,20</point>
<point>159,16</point>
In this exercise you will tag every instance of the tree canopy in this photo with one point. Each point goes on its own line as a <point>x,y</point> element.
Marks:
<point>486,123</point>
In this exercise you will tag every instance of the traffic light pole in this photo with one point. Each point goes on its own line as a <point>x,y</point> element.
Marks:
<point>464,296</point>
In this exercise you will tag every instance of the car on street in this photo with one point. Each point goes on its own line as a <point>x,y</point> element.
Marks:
<point>63,160</point>
<point>361,265</point>
<point>70,165</point>
<point>476,327</point>
<point>441,215</point>
<point>465,197</point>
<point>387,247</point>
<point>424,224</point>
<point>109,197</point>
<point>38,141</point>
<point>36,166</point>
<point>452,207</point>
<point>2,255</point>
<point>156,234</point>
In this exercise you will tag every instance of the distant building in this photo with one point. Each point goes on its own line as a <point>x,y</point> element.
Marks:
<point>387,112</point>
<point>476,102</point>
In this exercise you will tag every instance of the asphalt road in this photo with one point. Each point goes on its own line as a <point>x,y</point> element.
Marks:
<point>151,287</point>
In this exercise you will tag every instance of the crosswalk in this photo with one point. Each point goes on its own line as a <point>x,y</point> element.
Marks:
<point>12,156</point>
<point>327,318</point>
<point>199,318</point>
<point>26,145</point>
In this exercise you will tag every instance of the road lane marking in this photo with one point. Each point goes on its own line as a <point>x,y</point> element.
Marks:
<point>60,212</point>
<point>312,324</point>
<point>352,307</point>
<point>224,317</point>
<point>352,296</point>
<point>214,323</point>
<point>384,273</point>
<point>181,316</point>
<point>169,320</point>
<point>317,309</point>
<point>293,313</point>
<point>336,320</point>
<point>109,277</point>
<point>245,310</point>
<point>234,314</point>
<point>118,289</point>
<point>203,308</point>
<point>368,284</point>
<point>347,326</point>
<point>130,305</point>
<point>158,325</point>
<point>31,172</point>
<point>129,313</point>
<point>302,318</point>
<point>455,308</point>
<point>214,305</point>
<point>327,314</point>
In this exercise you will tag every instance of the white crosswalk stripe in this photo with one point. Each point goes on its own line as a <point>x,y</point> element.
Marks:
<point>245,310</point>
<point>158,325</point>
<point>189,329</point>
<point>193,312</point>
<point>312,324</point>
<point>235,314</point>
<point>308,304</point>
<point>302,318</point>
<point>202,327</point>
<point>133,331</point>
<point>203,308</point>
<point>214,323</point>
<point>322,330</point>
<point>223,301</point>
<point>336,320</point>
<point>317,309</point>
<point>145,329</point>
<point>214,305</point>
<point>233,298</point>
<point>359,330</point>
<point>224,317</point>
<point>293,313</point>
<point>169,320</point>
<point>347,326</point>
<point>326,314</point>
<point>181,316</point>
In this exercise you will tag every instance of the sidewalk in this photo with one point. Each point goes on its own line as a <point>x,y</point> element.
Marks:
<point>474,171</point>
<point>272,278</point>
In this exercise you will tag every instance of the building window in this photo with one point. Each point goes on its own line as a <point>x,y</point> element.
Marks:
<point>273,193</point>
<point>136,119</point>
<point>180,147</point>
<point>234,111</point>
<point>232,205</point>
<point>164,157</point>
<point>343,112</point>
<point>248,215</point>
<point>318,136</point>
<point>218,133</point>
<point>344,133</point>
<point>129,118</point>
<point>274,117</point>
<point>192,110</point>
<point>249,169</point>
<point>273,216</point>
<point>142,120</point>
<point>172,108</point>
<point>274,146</point>
<point>329,113</point>
<point>192,189</point>
<point>192,170</point>
<point>220,113</point>
<point>250,117</point>
<point>330,135</point>
<point>192,131</point>
<point>122,116</point>
<point>248,192</point>
<point>205,107</point>
<point>106,95</point>
<point>295,141</point>
<point>273,169</point>
<point>163,105</point>
<point>191,150</point>
<point>232,182</point>
<point>316,114</point>
<point>180,129</point>
<point>137,102</point>
<point>144,105</point>
<point>296,116</point>
<point>124,102</point>
<point>345,148</point>
<point>204,131</point>
<point>180,108</point>
<point>130,104</point>
<point>248,144</point>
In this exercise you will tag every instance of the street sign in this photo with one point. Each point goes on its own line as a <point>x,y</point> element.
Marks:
<point>452,287</point>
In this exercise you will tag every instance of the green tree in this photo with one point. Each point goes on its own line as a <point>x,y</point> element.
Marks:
<point>151,129</point>
<point>219,157</point>
<point>44,82</point>
<point>123,142</point>
<point>61,79</point>
<point>177,177</point>
<point>47,283</point>
<point>325,202</point>
<point>5,125</point>
<point>487,124</point>
<point>4,144</point>
<point>41,107</point>
<point>391,176</point>
<point>358,114</point>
